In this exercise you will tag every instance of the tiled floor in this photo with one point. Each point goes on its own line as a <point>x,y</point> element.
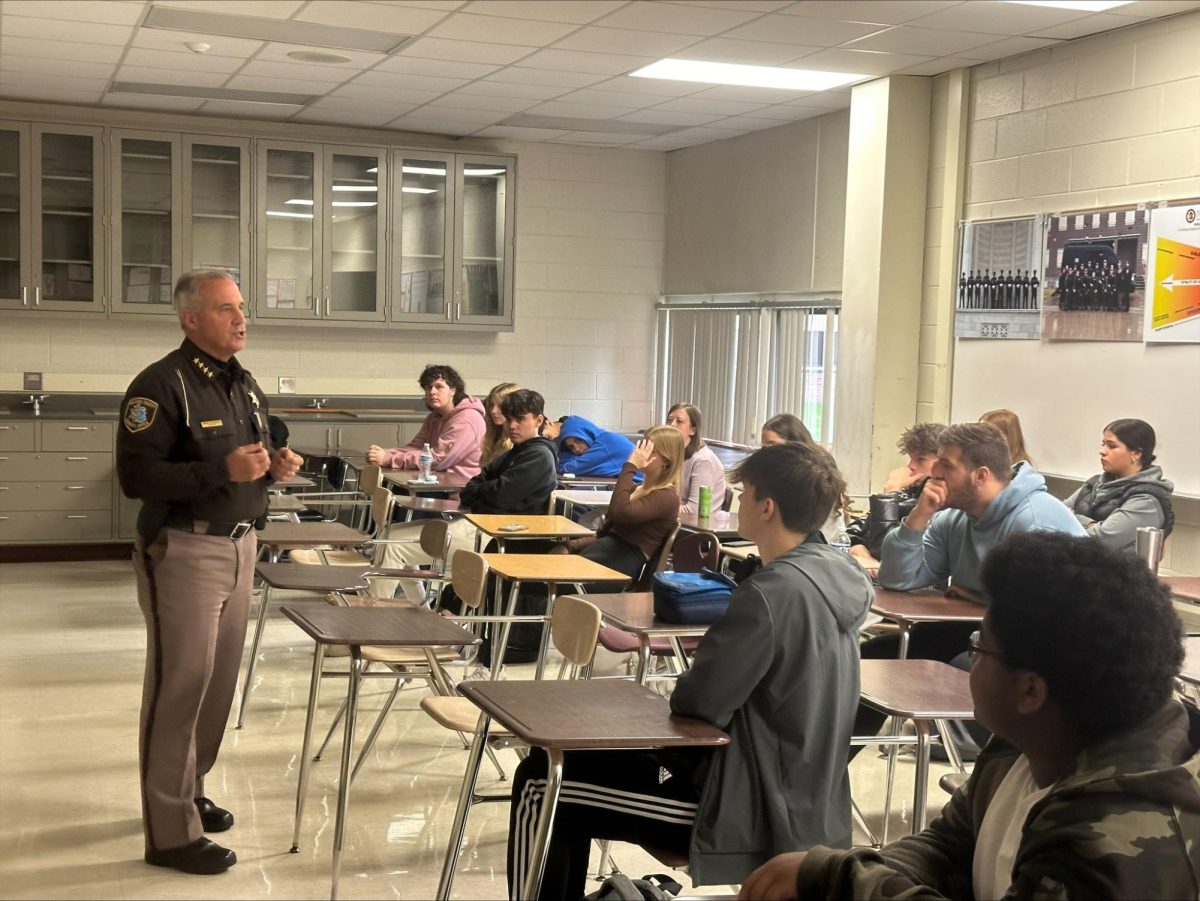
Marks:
<point>71,656</point>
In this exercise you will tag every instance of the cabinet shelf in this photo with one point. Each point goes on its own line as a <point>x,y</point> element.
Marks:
<point>128,264</point>
<point>233,216</point>
<point>207,162</point>
<point>423,256</point>
<point>352,250</point>
<point>146,212</point>
<point>83,214</point>
<point>144,156</point>
<point>289,175</point>
<point>484,259</point>
<point>289,247</point>
<point>9,210</point>
<point>9,260</point>
<point>74,178</point>
<point>84,262</point>
<point>8,174</point>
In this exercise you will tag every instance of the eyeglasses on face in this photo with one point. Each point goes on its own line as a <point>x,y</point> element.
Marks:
<point>974,649</point>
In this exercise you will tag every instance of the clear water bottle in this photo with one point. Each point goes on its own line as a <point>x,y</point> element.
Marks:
<point>425,464</point>
<point>841,541</point>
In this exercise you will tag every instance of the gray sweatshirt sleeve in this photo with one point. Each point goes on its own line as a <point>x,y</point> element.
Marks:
<point>914,559</point>
<point>1119,529</point>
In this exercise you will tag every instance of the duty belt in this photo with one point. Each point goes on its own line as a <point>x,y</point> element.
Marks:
<point>231,530</point>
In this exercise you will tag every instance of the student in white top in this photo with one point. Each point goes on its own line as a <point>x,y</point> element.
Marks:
<point>1089,787</point>
<point>700,465</point>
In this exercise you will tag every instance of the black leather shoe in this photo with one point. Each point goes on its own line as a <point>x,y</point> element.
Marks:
<point>212,817</point>
<point>202,857</point>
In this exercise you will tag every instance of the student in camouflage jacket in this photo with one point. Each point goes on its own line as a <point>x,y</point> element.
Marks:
<point>1091,787</point>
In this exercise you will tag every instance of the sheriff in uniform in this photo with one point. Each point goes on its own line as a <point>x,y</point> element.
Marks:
<point>194,447</point>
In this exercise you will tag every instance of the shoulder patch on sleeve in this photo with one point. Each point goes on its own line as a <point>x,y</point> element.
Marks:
<point>139,413</point>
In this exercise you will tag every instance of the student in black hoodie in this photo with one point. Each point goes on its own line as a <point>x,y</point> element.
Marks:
<point>520,480</point>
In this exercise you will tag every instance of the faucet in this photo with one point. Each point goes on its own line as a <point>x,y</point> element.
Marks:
<point>317,404</point>
<point>35,400</point>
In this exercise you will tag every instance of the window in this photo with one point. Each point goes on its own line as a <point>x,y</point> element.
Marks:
<point>743,358</point>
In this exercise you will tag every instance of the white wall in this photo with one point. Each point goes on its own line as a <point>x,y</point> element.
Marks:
<point>589,270</point>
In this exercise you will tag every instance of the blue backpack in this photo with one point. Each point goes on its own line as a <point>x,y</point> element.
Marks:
<point>691,599</point>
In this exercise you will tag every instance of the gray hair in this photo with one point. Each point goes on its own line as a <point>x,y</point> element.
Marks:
<point>187,289</point>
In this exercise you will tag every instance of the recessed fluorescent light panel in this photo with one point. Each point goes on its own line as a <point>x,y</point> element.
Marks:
<point>1083,6</point>
<point>746,76</point>
<point>285,31</point>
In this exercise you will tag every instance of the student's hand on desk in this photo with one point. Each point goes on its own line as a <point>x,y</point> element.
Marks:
<point>775,880</point>
<point>375,455</point>
<point>641,454</point>
<point>285,463</point>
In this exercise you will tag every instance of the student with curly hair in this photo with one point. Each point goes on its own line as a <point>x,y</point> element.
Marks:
<point>1090,787</point>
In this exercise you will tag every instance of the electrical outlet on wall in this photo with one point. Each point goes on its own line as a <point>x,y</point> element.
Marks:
<point>287,385</point>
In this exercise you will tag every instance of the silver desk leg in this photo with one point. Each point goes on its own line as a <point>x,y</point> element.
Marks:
<point>643,671</point>
<point>891,778</point>
<point>536,867</point>
<point>263,603</point>
<point>314,686</point>
<point>465,796</point>
<point>921,786</point>
<point>500,647</point>
<point>343,800</point>
<point>544,646</point>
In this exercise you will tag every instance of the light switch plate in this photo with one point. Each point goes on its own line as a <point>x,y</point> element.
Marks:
<point>33,381</point>
<point>287,385</point>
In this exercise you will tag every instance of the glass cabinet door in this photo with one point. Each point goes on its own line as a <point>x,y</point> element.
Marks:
<point>423,233</point>
<point>485,211</point>
<point>288,280</point>
<point>146,230</point>
<point>353,234</point>
<point>68,243</point>
<point>15,290</point>
<point>216,195</point>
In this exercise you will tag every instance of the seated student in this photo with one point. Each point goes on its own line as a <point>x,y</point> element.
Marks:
<point>495,432</point>
<point>1091,787</point>
<point>1008,422</point>
<point>1129,493</point>
<point>778,672</point>
<point>639,517</point>
<point>785,427</point>
<point>585,449</point>
<point>701,466</point>
<point>453,429</point>
<point>899,495</point>
<point>521,479</point>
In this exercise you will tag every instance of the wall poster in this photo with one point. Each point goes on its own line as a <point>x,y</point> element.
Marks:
<point>999,293</point>
<point>1094,286</point>
<point>1173,275</point>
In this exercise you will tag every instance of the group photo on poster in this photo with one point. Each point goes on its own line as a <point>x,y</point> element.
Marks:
<point>1094,285</point>
<point>1173,313</point>
<point>999,287</point>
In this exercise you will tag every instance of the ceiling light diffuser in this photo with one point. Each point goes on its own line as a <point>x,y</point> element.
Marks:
<point>746,76</point>
<point>1083,6</point>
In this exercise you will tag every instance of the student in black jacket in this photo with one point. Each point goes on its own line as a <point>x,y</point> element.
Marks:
<point>520,480</point>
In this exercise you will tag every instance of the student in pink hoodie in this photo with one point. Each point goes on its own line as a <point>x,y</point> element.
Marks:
<point>453,429</point>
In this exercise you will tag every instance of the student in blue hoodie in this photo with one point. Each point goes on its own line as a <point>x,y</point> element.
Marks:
<point>585,449</point>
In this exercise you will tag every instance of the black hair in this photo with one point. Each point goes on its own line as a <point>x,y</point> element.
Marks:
<point>1092,621</point>
<point>1135,435</point>
<point>922,438</point>
<point>447,374</point>
<point>802,479</point>
<point>981,444</point>
<point>522,401</point>
<point>789,428</point>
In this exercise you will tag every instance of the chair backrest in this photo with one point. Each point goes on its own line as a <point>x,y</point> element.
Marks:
<point>369,478</point>
<point>469,578</point>
<point>657,563</point>
<point>695,552</point>
<point>435,538</point>
<point>574,628</point>
<point>381,510</point>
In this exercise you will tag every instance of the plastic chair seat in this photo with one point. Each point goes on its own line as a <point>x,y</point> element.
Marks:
<point>338,557</point>
<point>621,642</point>
<point>406,656</point>
<point>457,714</point>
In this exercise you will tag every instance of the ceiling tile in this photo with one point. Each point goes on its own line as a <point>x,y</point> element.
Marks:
<point>596,138</point>
<point>938,66</point>
<point>51,66</point>
<point>276,52</point>
<point>465,51</point>
<point>862,62</point>
<point>80,10</point>
<point>672,141</point>
<point>300,72</point>
<point>1078,28</point>
<point>886,12</point>
<point>750,53</point>
<point>55,95</point>
<point>752,123</point>
<point>656,87</point>
<point>59,30</point>
<point>364,119</point>
<point>1008,47</point>
<point>248,81</point>
<point>716,107</point>
<point>465,27</point>
<point>761,6</point>
<point>576,110</point>
<point>578,12</point>
<point>482,102</point>
<point>597,39</point>
<point>517,133</point>
<point>270,9</point>
<point>403,81</point>
<point>449,113</point>
<point>177,41</point>
<point>165,59</point>
<point>61,50</point>
<point>677,19</point>
<point>922,41</point>
<point>373,16</point>
<point>146,75</point>
<point>740,94</point>
<point>807,30</point>
<point>448,6</point>
<point>439,68</point>
<point>665,117</point>
<point>996,18</point>
<point>521,75</point>
<point>384,93</point>
<point>332,105</point>
<point>687,137</point>
<point>578,61</point>
<point>11,80</point>
<point>241,110</point>
<point>135,101</point>
<point>624,99</point>
<point>488,88</point>
<point>433,126</point>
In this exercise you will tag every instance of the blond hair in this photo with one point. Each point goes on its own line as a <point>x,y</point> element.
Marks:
<point>495,437</point>
<point>668,444</point>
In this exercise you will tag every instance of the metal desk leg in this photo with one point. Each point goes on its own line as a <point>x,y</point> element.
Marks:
<point>500,646</point>
<point>643,671</point>
<point>314,686</point>
<point>465,798</point>
<point>343,800</point>
<point>952,752</point>
<point>921,786</point>
<point>263,604</point>
<point>677,646</point>
<point>891,778</point>
<point>904,634</point>
<point>536,866</point>
<point>544,646</point>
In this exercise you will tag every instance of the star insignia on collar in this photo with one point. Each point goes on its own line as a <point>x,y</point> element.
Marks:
<point>203,367</point>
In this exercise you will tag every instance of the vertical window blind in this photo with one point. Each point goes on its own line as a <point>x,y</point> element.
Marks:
<point>744,359</point>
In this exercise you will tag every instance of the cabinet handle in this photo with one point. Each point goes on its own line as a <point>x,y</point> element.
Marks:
<point>3,459</point>
<point>76,459</point>
<point>3,487</point>
<point>329,438</point>
<point>3,519</point>
<point>78,428</point>
<point>5,428</point>
<point>339,437</point>
<point>449,311</point>
<point>76,516</point>
<point>37,295</point>
<point>24,296</point>
<point>74,487</point>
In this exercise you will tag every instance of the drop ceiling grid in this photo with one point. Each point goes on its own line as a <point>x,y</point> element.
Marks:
<point>473,64</point>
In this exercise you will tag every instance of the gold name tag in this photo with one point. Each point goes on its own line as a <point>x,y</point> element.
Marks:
<point>211,423</point>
